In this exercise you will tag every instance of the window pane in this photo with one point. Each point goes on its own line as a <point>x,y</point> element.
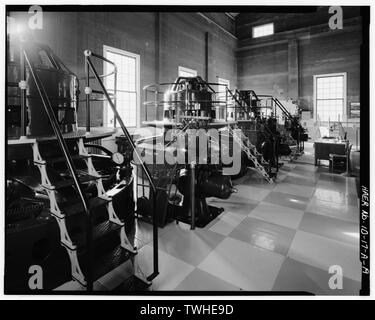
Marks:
<point>126,102</point>
<point>263,30</point>
<point>127,108</point>
<point>329,110</point>
<point>330,98</point>
<point>186,72</point>
<point>221,89</point>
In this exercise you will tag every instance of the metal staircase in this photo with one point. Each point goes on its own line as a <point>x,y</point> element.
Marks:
<point>91,254</point>
<point>296,146</point>
<point>260,164</point>
<point>75,244</point>
<point>111,99</point>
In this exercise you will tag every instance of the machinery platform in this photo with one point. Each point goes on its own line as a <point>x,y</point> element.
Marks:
<point>94,134</point>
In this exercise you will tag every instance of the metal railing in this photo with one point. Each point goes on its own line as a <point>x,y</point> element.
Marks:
<point>293,120</point>
<point>240,101</point>
<point>89,91</point>
<point>56,129</point>
<point>89,66</point>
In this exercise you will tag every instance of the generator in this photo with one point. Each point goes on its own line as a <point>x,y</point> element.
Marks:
<point>189,103</point>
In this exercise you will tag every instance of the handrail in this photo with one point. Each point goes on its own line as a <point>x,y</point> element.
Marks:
<point>154,85</point>
<point>268,130</point>
<point>236,100</point>
<point>286,112</point>
<point>252,92</point>
<point>88,91</point>
<point>89,65</point>
<point>280,105</point>
<point>52,118</point>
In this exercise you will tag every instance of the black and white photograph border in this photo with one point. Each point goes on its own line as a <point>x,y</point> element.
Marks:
<point>164,149</point>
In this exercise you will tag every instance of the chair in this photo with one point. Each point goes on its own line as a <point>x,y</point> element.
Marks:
<point>340,160</point>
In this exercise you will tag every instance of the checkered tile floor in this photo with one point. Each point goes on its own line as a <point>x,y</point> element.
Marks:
<point>280,237</point>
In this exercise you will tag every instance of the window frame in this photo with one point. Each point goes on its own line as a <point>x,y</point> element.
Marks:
<point>263,25</point>
<point>137,58</point>
<point>188,70</point>
<point>315,94</point>
<point>223,81</point>
<point>221,109</point>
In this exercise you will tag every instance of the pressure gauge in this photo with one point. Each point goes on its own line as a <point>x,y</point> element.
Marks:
<point>118,158</point>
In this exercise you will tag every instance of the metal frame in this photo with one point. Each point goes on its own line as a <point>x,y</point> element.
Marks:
<point>89,66</point>
<point>52,118</point>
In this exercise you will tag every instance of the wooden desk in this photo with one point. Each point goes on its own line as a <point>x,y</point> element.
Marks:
<point>324,147</point>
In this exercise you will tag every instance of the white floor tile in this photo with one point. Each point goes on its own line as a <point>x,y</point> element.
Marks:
<point>298,190</point>
<point>279,215</point>
<point>334,210</point>
<point>172,271</point>
<point>243,265</point>
<point>321,252</point>
<point>332,195</point>
<point>190,246</point>
<point>251,192</point>
<point>200,280</point>
<point>347,187</point>
<point>227,223</point>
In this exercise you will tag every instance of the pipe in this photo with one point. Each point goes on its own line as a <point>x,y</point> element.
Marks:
<point>87,72</point>
<point>23,94</point>
<point>192,195</point>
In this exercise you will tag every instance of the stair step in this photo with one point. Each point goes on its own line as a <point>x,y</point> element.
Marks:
<point>76,208</point>
<point>104,228</point>
<point>63,159</point>
<point>104,235</point>
<point>83,178</point>
<point>104,263</point>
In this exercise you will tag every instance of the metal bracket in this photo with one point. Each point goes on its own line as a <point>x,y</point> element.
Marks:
<point>125,243</point>
<point>81,148</point>
<point>64,235</point>
<point>36,154</point>
<point>46,183</point>
<point>100,188</point>
<point>41,164</point>
<point>138,271</point>
<point>88,160</point>
<point>75,268</point>
<point>112,216</point>
<point>54,207</point>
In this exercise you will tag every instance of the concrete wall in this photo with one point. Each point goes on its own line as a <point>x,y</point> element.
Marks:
<point>282,64</point>
<point>287,18</point>
<point>163,40</point>
<point>303,46</point>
